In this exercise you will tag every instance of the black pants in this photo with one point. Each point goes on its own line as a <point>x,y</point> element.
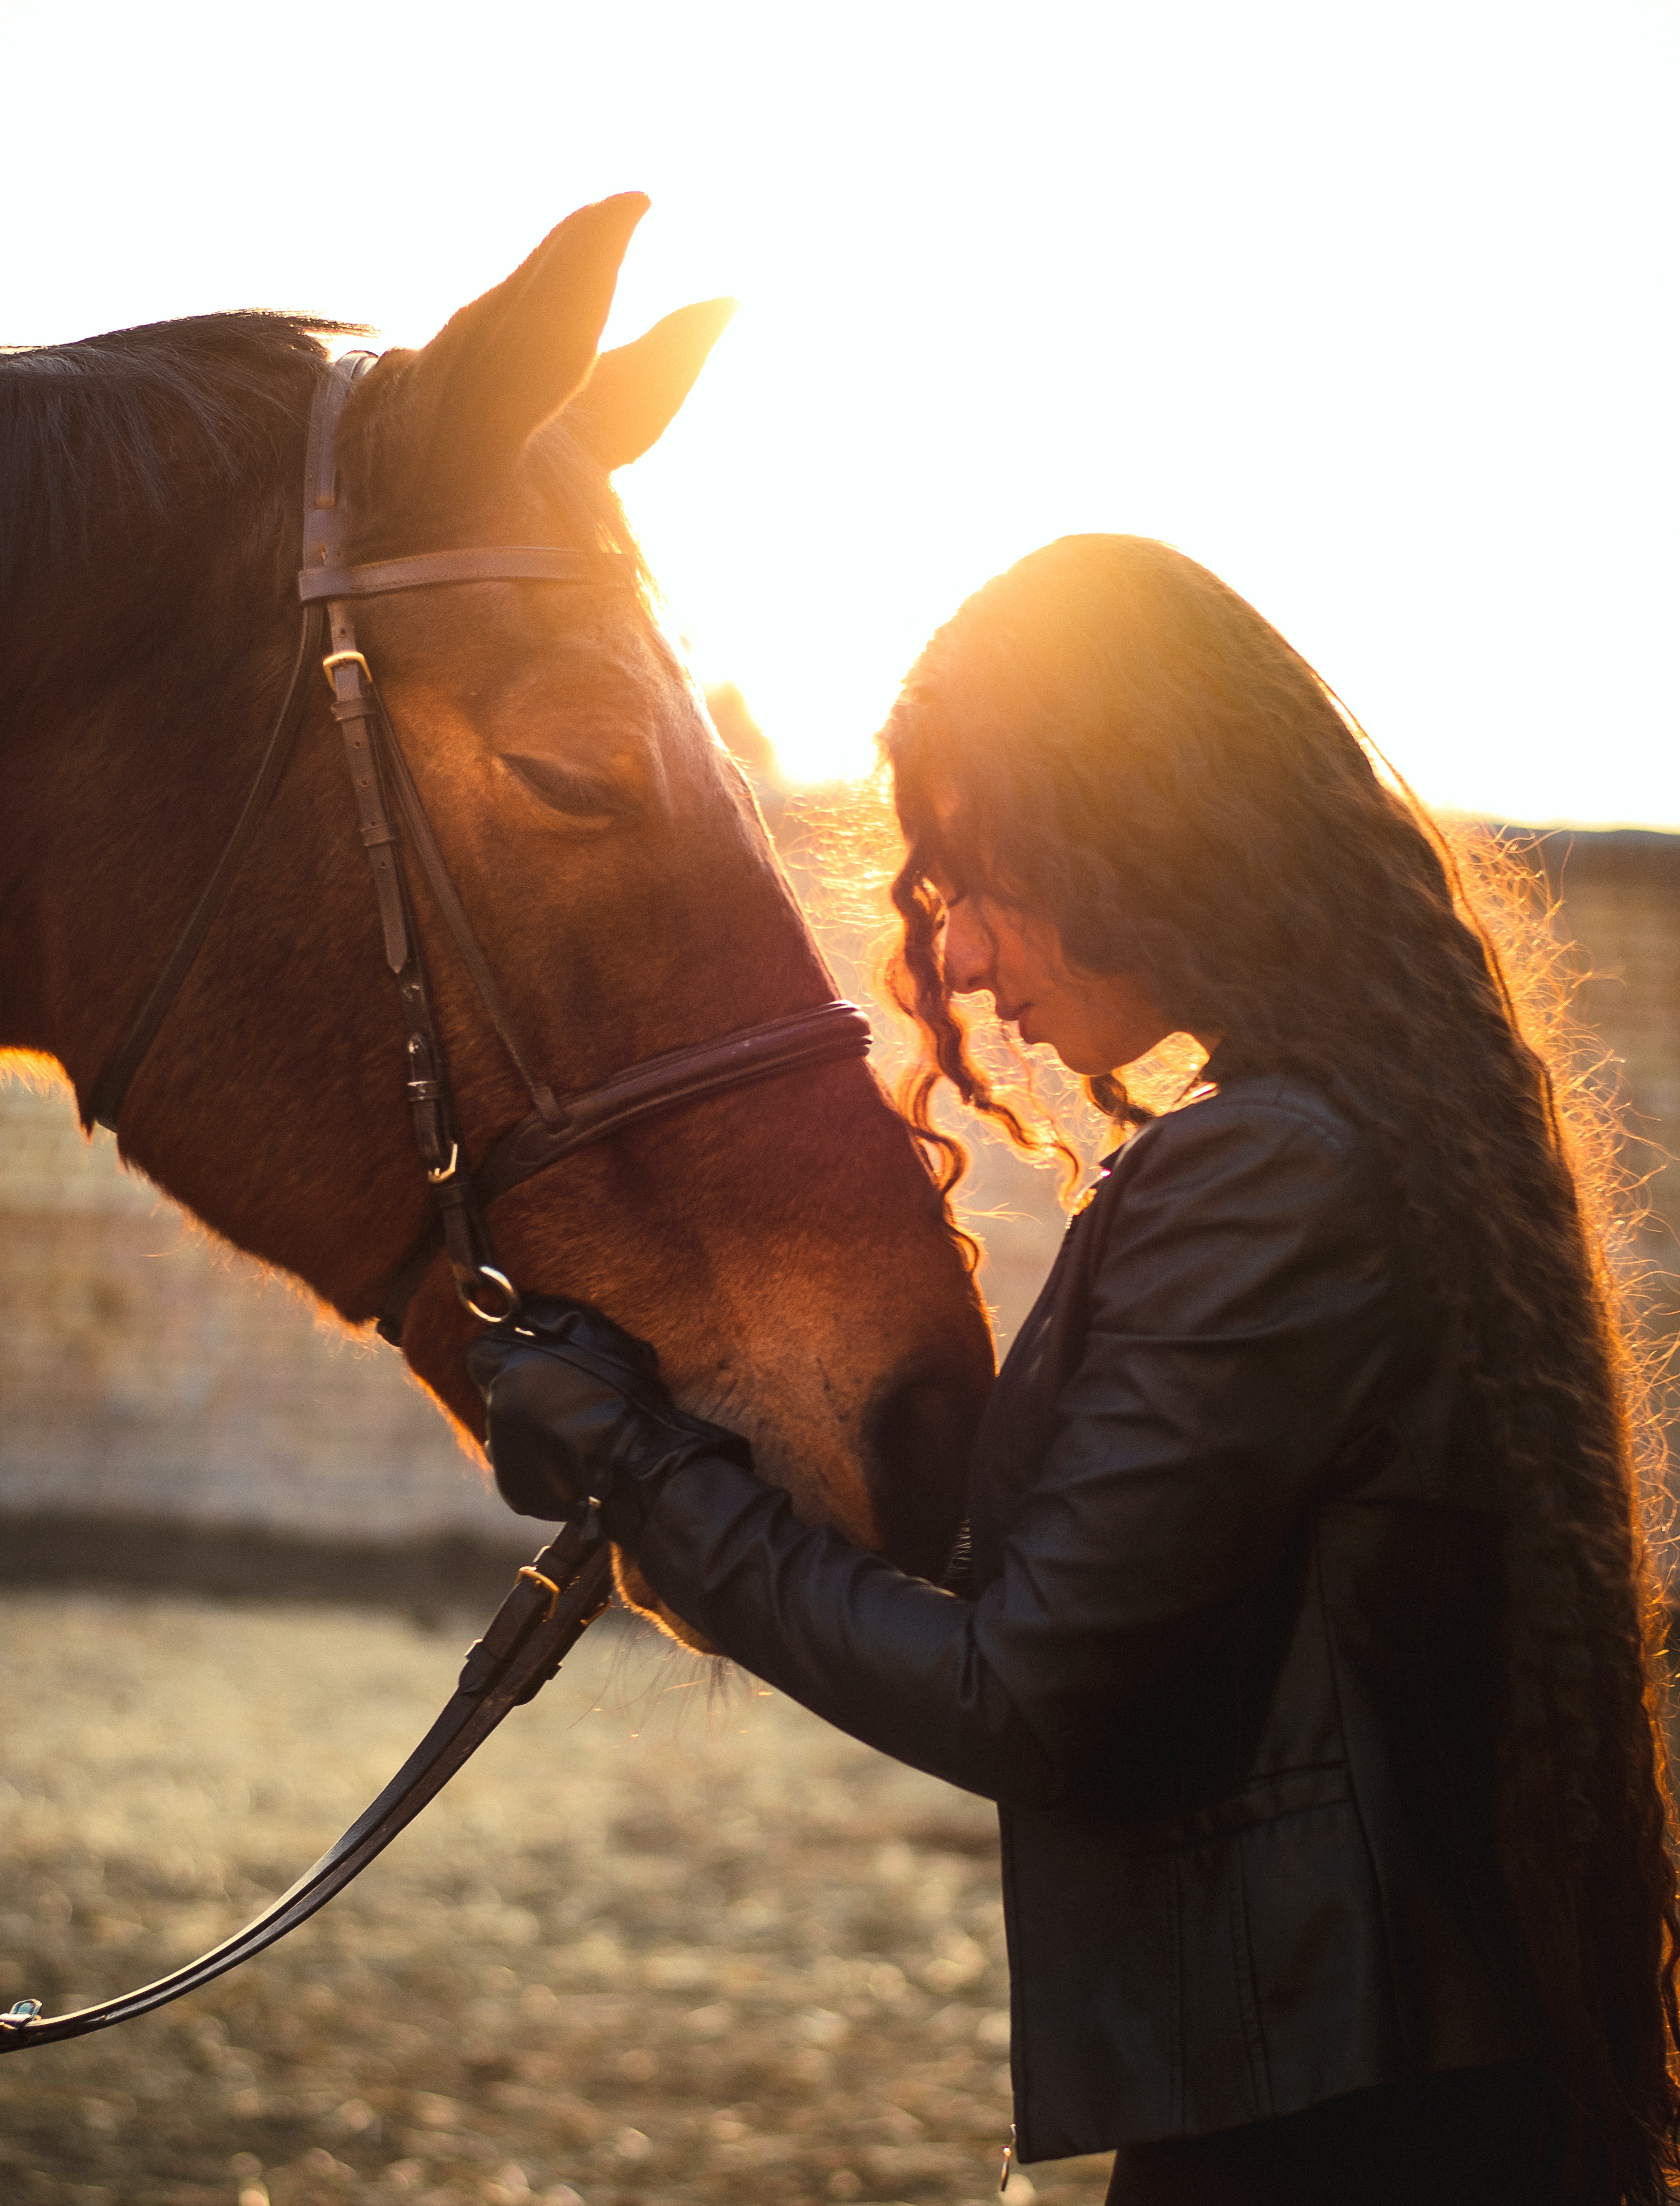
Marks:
<point>1471,2137</point>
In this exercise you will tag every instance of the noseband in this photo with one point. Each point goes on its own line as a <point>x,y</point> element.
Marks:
<point>557,1596</point>
<point>383,784</point>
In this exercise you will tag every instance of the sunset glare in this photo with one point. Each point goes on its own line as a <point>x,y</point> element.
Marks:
<point>1370,309</point>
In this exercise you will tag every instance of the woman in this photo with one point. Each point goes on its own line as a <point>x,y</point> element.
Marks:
<point>1303,1641</point>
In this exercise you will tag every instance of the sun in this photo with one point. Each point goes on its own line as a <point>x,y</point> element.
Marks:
<point>1359,316</point>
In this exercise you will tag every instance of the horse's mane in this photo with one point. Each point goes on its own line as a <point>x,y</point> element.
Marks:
<point>141,429</point>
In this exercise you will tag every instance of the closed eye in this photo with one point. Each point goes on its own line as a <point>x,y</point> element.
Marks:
<point>578,796</point>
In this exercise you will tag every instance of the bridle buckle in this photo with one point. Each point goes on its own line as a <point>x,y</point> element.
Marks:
<point>337,659</point>
<point>536,1577</point>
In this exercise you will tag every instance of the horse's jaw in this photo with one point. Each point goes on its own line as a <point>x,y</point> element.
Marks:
<point>854,1356</point>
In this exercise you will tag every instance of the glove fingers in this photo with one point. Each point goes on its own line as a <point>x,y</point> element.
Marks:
<point>548,1421</point>
<point>525,1480</point>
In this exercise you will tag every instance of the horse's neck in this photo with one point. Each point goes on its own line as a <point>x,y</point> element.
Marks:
<point>120,771</point>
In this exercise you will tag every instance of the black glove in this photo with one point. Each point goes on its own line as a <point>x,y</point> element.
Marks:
<point>578,1410</point>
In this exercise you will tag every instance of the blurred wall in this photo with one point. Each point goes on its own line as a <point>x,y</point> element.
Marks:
<point>150,1374</point>
<point>1620,894</point>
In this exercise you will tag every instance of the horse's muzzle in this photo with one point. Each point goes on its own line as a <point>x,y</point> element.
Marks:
<point>917,1432</point>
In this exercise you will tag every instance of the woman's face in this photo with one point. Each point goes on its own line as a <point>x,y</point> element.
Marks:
<point>1095,1022</point>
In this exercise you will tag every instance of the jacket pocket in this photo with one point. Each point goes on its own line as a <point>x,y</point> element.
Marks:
<point>1194,1972</point>
<point>1283,1793</point>
<point>1288,1996</point>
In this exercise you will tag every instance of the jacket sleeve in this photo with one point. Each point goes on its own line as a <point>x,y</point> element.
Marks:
<point>1240,1330</point>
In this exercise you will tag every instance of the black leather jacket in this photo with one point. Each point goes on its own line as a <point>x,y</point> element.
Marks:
<point>1226,1655</point>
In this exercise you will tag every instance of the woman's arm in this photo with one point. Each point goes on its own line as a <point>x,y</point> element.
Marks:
<point>1240,1330</point>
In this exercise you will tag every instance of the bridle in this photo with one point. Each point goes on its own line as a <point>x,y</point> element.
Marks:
<point>555,1127</point>
<point>559,1594</point>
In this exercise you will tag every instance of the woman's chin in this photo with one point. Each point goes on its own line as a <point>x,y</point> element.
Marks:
<point>1082,1063</point>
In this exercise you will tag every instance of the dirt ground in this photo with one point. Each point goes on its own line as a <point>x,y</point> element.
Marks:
<point>662,1941</point>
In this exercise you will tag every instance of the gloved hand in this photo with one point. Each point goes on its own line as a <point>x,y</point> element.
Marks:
<point>578,1409</point>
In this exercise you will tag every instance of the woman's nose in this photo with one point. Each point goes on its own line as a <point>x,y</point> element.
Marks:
<point>968,949</point>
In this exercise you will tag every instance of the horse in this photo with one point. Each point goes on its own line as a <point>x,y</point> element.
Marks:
<point>783,1246</point>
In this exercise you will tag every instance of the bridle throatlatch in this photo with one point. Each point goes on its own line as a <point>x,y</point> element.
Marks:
<point>556,1596</point>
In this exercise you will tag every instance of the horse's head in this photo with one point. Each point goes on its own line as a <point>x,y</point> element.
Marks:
<point>782,1244</point>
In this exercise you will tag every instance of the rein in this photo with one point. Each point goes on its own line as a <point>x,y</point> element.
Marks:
<point>553,1600</point>
<point>567,1585</point>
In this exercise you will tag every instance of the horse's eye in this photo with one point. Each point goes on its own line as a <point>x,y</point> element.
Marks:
<point>578,796</point>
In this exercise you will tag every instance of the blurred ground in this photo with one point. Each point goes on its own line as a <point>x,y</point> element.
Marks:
<point>663,1941</point>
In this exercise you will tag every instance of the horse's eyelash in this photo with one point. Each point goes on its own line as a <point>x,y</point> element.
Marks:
<point>570,792</point>
<point>591,795</point>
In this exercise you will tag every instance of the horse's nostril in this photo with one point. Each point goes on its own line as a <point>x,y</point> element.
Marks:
<point>918,1433</point>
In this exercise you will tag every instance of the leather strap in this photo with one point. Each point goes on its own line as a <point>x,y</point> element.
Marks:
<point>125,1060</point>
<point>816,1036</point>
<point>357,712</point>
<point>326,523</point>
<point>423,844</point>
<point>356,707</point>
<point>820,1036</point>
<point>495,562</point>
<point>553,1600</point>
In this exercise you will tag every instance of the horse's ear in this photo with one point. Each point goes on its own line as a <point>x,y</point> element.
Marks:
<point>501,367</point>
<point>629,401</point>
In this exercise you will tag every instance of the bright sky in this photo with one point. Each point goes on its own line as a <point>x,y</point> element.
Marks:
<point>1370,307</point>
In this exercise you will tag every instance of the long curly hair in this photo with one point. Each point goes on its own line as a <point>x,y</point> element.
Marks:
<point>1108,736</point>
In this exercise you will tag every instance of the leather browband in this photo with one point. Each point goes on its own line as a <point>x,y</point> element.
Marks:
<point>493,563</point>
